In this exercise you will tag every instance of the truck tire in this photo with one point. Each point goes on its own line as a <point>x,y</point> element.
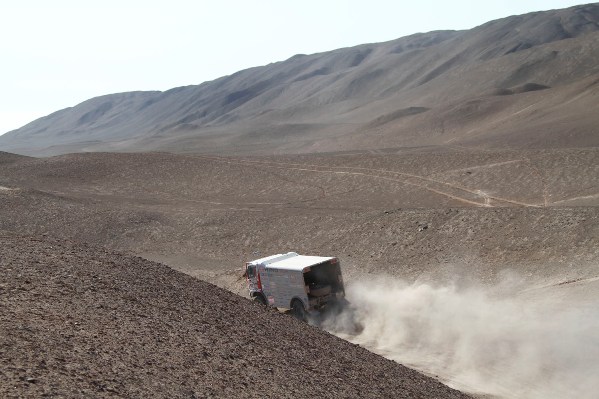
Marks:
<point>259,299</point>
<point>297,309</point>
<point>320,290</point>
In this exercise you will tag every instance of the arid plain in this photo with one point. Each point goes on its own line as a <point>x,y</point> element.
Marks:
<point>422,216</point>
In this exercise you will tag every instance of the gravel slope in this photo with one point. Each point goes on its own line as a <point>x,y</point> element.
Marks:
<point>81,321</point>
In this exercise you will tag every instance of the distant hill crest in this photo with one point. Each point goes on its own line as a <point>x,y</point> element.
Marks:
<point>523,81</point>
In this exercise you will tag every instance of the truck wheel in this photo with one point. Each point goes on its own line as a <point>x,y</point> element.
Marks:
<point>259,299</point>
<point>297,310</point>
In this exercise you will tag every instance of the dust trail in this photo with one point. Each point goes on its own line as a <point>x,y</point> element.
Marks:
<point>479,340</point>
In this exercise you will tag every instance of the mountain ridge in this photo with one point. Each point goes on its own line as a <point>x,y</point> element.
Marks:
<point>336,100</point>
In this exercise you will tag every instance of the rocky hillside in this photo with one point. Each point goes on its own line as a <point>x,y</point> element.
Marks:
<point>80,321</point>
<point>527,81</point>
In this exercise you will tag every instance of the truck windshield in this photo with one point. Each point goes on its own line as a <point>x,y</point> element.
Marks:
<point>251,271</point>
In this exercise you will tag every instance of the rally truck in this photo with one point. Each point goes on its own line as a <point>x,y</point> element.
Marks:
<point>306,285</point>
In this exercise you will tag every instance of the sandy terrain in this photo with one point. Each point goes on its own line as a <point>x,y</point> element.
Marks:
<point>482,210</point>
<point>453,225</point>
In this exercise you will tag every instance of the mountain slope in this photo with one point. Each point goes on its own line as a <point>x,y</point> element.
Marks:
<point>528,80</point>
<point>81,321</point>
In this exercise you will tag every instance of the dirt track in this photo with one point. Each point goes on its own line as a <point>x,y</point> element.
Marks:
<point>80,321</point>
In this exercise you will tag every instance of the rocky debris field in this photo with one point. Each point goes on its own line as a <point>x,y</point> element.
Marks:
<point>83,321</point>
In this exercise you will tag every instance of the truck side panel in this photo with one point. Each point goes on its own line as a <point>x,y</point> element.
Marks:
<point>284,286</point>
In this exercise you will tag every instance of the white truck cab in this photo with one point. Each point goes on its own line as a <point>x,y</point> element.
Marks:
<point>304,284</point>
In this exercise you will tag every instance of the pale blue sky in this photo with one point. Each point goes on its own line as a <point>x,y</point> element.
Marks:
<point>56,54</point>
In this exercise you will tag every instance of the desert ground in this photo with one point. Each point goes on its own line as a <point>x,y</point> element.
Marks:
<point>82,321</point>
<point>430,231</point>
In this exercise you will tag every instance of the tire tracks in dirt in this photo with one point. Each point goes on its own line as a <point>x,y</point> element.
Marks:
<point>408,179</point>
<point>583,197</point>
<point>542,179</point>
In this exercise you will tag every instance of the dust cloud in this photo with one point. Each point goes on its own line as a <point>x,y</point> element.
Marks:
<point>491,341</point>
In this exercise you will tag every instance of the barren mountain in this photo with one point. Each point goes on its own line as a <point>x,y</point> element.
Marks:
<point>528,81</point>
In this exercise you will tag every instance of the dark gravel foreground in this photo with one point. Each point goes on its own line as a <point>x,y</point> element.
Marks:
<point>82,321</point>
